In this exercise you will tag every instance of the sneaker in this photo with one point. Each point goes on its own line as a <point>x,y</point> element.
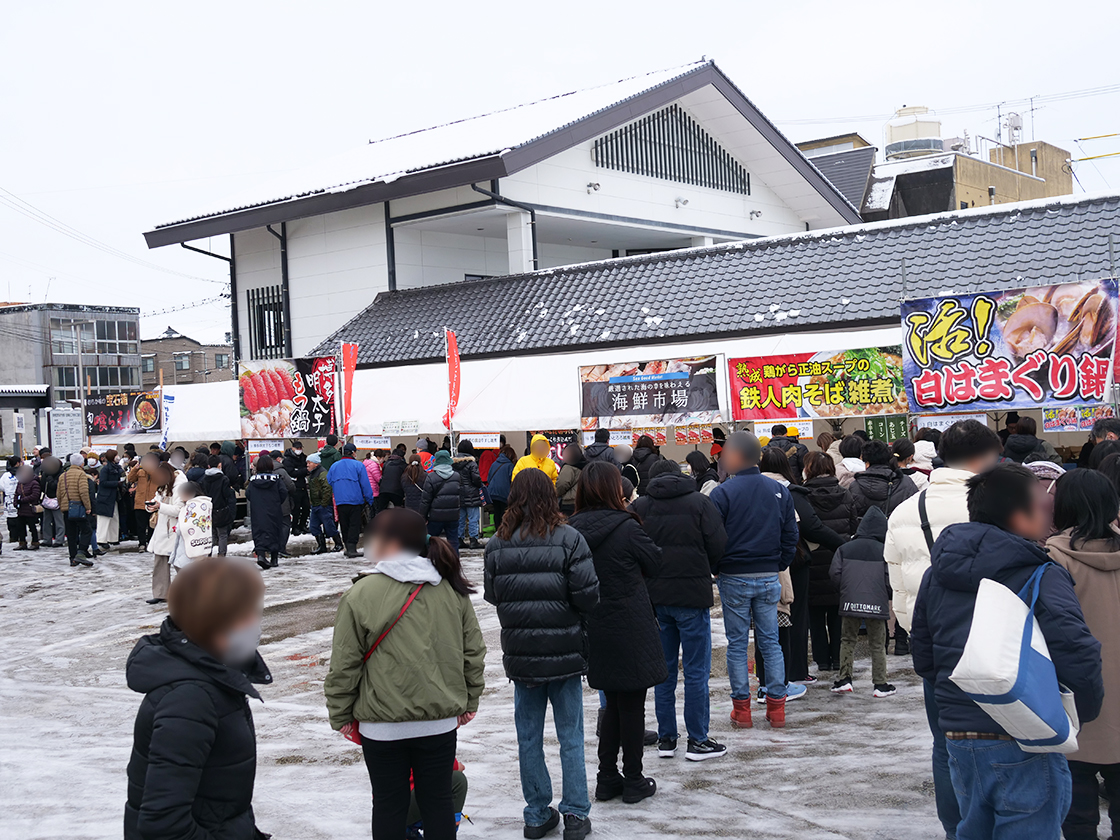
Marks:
<point>576,828</point>
<point>703,750</point>
<point>636,791</point>
<point>842,687</point>
<point>762,695</point>
<point>884,690</point>
<point>649,739</point>
<point>667,747</point>
<point>795,691</point>
<point>535,832</point>
<point>809,680</point>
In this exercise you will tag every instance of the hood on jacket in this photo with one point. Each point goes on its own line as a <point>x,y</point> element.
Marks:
<point>1045,470</point>
<point>214,471</point>
<point>598,524</point>
<point>459,460</point>
<point>169,656</point>
<point>873,526</point>
<point>968,552</point>
<point>227,448</point>
<point>596,449</point>
<point>671,485</point>
<point>642,454</point>
<point>441,464</point>
<point>924,453</point>
<point>825,491</point>
<point>406,568</point>
<point>1099,554</point>
<point>855,465</point>
<point>1019,447</point>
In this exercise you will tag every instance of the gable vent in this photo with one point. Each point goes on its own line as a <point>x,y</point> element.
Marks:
<point>669,144</point>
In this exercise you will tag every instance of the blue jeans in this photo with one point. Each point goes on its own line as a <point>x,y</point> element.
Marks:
<point>948,811</point>
<point>469,518</point>
<point>322,522</point>
<point>686,631</point>
<point>743,599</point>
<point>449,530</point>
<point>529,705</point>
<point>1008,794</point>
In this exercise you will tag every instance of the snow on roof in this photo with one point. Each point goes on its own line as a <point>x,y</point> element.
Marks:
<point>894,168</point>
<point>489,134</point>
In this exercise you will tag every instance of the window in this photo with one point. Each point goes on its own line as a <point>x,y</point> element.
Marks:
<point>148,365</point>
<point>669,144</point>
<point>221,360</point>
<point>182,361</point>
<point>266,323</point>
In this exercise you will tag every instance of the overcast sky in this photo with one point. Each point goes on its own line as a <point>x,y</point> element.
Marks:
<point>118,116</point>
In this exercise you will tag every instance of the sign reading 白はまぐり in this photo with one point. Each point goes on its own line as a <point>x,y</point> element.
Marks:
<point>1040,346</point>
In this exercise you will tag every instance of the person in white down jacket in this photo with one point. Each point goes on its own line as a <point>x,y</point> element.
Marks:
<point>966,448</point>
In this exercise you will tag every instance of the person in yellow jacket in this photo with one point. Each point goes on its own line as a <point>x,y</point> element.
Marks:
<point>538,458</point>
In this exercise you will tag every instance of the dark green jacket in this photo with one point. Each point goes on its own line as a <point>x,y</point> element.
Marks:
<point>330,456</point>
<point>319,489</point>
<point>429,667</point>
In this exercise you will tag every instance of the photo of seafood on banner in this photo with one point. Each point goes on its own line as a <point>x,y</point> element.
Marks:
<point>288,398</point>
<point>1042,346</point>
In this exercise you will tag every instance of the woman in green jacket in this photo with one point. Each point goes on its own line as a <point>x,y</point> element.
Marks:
<point>407,670</point>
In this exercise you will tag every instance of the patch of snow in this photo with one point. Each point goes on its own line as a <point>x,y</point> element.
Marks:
<point>600,311</point>
<point>522,336</point>
<point>845,301</point>
<point>780,316</point>
<point>645,310</point>
<point>759,317</point>
<point>774,307</point>
<point>604,333</point>
<point>654,321</point>
<point>574,329</point>
<point>793,313</point>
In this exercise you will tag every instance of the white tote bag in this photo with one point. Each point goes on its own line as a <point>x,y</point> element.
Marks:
<point>1007,671</point>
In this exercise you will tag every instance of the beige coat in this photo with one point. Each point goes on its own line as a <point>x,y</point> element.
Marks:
<point>1095,567</point>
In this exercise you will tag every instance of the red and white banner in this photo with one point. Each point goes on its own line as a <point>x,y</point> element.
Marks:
<point>349,365</point>
<point>453,374</point>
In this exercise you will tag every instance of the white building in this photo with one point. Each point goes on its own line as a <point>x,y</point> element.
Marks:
<point>668,160</point>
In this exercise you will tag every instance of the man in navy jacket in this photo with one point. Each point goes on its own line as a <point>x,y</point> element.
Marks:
<point>761,541</point>
<point>1002,791</point>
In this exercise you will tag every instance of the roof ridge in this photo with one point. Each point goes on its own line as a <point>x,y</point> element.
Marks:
<point>685,68</point>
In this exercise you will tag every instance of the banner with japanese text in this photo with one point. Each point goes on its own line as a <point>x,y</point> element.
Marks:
<point>824,384</point>
<point>288,398</point>
<point>1016,348</point>
<point>1074,418</point>
<point>667,392</point>
<point>127,412</point>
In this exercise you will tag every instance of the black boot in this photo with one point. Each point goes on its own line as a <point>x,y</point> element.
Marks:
<point>262,561</point>
<point>901,641</point>
<point>337,544</point>
<point>322,542</point>
<point>351,551</point>
<point>275,562</point>
<point>475,543</point>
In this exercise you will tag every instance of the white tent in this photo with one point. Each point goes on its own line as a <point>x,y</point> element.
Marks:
<point>202,412</point>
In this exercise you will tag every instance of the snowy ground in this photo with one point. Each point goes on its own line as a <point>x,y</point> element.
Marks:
<point>845,767</point>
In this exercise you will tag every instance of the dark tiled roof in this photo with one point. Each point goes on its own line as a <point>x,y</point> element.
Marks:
<point>848,171</point>
<point>835,279</point>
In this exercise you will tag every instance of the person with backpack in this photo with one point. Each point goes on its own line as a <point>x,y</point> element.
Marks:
<point>541,577</point>
<point>73,492</point>
<point>966,448</point>
<point>1087,546</point>
<point>1003,791</point>
<point>266,495</point>
<point>794,449</point>
<point>215,484</point>
<point>880,483</point>
<point>470,487</point>
<point>442,498</point>
<point>498,481</point>
<point>1023,446</point>
<point>860,572</point>
<point>688,529</point>
<point>392,471</point>
<point>566,482</point>
<point>407,670</point>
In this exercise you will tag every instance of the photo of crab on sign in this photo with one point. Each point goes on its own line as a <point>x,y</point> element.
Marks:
<point>1017,348</point>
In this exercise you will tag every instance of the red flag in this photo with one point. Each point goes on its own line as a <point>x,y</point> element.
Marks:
<point>452,376</point>
<point>349,365</point>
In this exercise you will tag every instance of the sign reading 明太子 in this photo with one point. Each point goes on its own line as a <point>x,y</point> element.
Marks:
<point>1016,348</point>
<point>666,392</point>
<point>829,383</point>
<point>287,398</point>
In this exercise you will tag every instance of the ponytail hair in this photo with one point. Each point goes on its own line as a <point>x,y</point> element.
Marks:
<point>408,528</point>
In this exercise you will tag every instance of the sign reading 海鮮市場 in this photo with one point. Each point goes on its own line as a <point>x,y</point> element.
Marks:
<point>1015,348</point>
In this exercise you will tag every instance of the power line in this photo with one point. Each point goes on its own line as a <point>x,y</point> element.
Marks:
<point>963,109</point>
<point>185,306</point>
<point>14,202</point>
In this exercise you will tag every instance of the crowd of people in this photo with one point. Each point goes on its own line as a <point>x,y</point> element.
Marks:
<point>604,567</point>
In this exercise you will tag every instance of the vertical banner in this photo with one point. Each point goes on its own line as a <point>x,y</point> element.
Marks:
<point>168,404</point>
<point>453,373</point>
<point>349,365</point>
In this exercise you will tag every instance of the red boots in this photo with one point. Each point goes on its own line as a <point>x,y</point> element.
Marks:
<point>776,712</point>
<point>741,714</point>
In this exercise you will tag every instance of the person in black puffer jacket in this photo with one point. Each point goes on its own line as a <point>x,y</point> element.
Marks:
<point>541,577</point>
<point>626,657</point>
<point>645,456</point>
<point>689,531</point>
<point>295,465</point>
<point>194,752</point>
<point>881,484</point>
<point>392,490</point>
<point>836,509</point>
<point>795,450</point>
<point>470,493</point>
<point>442,498</point>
